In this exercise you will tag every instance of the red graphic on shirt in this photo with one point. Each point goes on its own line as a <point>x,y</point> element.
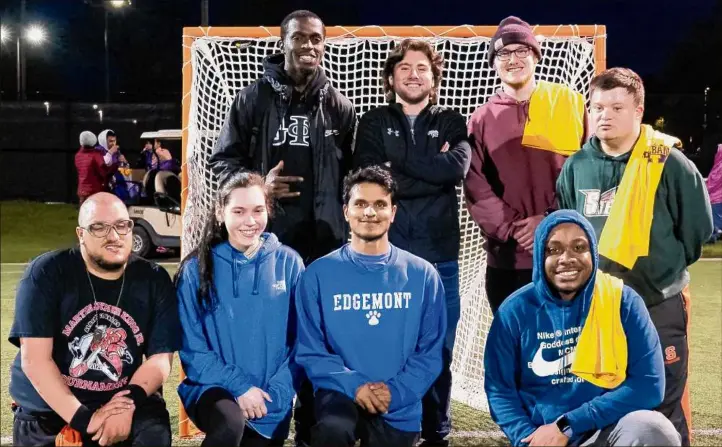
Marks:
<point>103,350</point>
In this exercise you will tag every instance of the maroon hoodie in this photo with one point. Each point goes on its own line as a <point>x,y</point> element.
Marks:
<point>93,173</point>
<point>507,181</point>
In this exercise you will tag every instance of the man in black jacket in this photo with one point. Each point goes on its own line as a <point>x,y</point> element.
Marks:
<point>294,127</point>
<point>426,148</point>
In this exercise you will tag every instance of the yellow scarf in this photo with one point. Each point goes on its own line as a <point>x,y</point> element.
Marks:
<point>556,119</point>
<point>626,233</point>
<point>601,354</point>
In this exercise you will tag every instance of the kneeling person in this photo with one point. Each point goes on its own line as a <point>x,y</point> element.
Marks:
<point>371,326</point>
<point>574,357</point>
<point>84,320</point>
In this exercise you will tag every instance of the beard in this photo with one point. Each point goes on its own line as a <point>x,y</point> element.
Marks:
<point>369,237</point>
<point>421,96</point>
<point>107,266</point>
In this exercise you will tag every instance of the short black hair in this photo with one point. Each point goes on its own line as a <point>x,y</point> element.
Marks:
<point>369,174</point>
<point>299,14</point>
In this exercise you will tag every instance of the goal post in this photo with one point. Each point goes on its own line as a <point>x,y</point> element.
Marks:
<point>220,61</point>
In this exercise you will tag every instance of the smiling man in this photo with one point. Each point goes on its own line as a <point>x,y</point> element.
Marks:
<point>425,147</point>
<point>371,326</point>
<point>651,212</point>
<point>97,329</point>
<point>573,358</point>
<point>522,136</point>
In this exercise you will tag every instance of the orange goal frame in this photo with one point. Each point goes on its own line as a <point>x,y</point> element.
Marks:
<point>597,32</point>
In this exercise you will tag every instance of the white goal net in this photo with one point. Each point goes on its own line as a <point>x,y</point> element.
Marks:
<point>216,67</point>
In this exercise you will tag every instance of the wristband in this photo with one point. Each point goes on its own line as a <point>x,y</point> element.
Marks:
<point>81,419</point>
<point>137,394</point>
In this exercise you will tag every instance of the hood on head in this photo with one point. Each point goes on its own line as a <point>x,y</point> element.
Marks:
<point>540,237</point>
<point>103,138</point>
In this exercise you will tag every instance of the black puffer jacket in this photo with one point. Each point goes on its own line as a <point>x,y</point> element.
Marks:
<point>427,218</point>
<point>332,120</point>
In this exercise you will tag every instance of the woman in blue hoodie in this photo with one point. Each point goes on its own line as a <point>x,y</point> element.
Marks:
<point>235,293</point>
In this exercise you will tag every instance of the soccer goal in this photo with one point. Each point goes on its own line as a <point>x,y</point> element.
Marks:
<point>218,62</point>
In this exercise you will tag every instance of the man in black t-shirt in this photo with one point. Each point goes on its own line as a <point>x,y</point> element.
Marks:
<point>97,329</point>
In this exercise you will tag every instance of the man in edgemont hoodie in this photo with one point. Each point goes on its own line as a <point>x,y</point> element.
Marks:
<point>371,326</point>
<point>573,357</point>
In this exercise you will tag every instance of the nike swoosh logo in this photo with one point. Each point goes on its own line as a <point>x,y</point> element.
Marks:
<point>543,368</point>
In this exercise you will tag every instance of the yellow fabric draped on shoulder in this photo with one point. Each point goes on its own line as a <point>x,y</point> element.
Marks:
<point>601,354</point>
<point>625,236</point>
<point>556,119</point>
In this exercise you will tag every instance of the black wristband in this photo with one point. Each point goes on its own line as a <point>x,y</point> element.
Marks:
<point>81,419</point>
<point>137,394</point>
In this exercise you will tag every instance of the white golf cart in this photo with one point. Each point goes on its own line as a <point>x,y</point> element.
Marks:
<point>157,216</point>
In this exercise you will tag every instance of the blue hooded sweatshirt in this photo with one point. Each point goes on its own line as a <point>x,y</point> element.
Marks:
<point>529,346</point>
<point>247,339</point>
<point>373,319</point>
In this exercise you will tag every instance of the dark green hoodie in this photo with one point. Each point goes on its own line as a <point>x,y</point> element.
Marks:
<point>681,223</point>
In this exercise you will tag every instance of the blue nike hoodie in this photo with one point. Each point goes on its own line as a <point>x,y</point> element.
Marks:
<point>527,356</point>
<point>248,338</point>
<point>373,319</point>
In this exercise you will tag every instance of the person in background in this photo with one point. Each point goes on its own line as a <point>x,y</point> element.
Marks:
<point>93,172</point>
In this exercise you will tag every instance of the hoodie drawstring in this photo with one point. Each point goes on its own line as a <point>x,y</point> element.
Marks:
<point>256,272</point>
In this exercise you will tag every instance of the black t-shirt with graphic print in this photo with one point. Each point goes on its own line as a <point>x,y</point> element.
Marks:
<point>96,346</point>
<point>294,221</point>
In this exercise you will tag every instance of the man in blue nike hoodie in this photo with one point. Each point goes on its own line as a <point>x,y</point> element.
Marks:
<point>371,326</point>
<point>531,346</point>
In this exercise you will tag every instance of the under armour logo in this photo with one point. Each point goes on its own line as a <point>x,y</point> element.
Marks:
<point>391,131</point>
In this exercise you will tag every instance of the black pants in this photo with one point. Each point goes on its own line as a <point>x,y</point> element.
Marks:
<point>220,418</point>
<point>151,427</point>
<point>341,422</point>
<point>304,416</point>
<point>670,318</point>
<point>500,283</point>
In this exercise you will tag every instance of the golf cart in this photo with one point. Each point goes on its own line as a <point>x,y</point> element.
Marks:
<point>157,215</point>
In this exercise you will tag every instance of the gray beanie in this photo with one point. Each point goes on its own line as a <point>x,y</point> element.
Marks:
<point>87,138</point>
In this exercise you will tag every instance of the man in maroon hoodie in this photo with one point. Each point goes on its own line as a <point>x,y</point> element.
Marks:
<point>93,173</point>
<point>522,136</point>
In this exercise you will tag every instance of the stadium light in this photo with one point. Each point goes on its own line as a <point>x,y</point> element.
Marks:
<point>119,3</point>
<point>5,34</point>
<point>47,108</point>
<point>100,114</point>
<point>95,106</point>
<point>35,34</point>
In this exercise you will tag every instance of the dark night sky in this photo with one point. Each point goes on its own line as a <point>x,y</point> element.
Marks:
<point>145,40</point>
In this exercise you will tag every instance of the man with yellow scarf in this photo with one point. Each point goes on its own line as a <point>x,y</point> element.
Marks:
<point>650,210</point>
<point>573,358</point>
<point>521,138</point>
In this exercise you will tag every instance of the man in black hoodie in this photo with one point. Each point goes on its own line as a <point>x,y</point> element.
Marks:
<point>295,128</point>
<point>426,148</point>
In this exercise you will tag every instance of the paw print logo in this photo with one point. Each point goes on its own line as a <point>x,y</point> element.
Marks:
<point>373,317</point>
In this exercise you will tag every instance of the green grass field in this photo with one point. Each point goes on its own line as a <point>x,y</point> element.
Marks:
<point>29,229</point>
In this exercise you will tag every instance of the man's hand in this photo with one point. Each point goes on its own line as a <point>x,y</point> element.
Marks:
<point>383,393</point>
<point>119,404</point>
<point>116,428</point>
<point>366,399</point>
<point>547,435</point>
<point>445,147</point>
<point>523,231</point>
<point>113,149</point>
<point>280,185</point>
<point>252,403</point>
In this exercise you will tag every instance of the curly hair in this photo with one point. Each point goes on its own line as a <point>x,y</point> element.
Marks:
<point>398,54</point>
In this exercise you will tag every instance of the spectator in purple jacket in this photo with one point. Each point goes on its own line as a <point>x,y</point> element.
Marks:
<point>521,138</point>
<point>714,187</point>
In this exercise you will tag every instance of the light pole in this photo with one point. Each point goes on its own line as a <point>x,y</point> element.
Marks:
<point>704,123</point>
<point>35,35</point>
<point>106,5</point>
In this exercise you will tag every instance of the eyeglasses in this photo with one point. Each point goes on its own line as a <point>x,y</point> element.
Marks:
<point>100,229</point>
<point>521,53</point>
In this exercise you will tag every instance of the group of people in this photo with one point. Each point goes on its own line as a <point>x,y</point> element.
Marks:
<point>101,166</point>
<point>591,220</point>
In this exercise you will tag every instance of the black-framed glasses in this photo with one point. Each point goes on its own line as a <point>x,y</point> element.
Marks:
<point>100,229</point>
<point>521,52</point>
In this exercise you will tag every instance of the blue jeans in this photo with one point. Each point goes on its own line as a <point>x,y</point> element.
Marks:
<point>717,218</point>
<point>436,416</point>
